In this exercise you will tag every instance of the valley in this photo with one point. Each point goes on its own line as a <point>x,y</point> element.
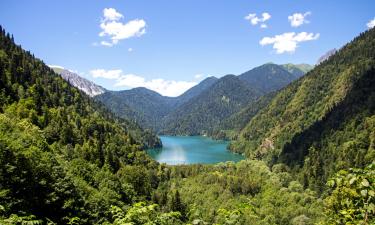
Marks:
<point>277,144</point>
<point>202,108</point>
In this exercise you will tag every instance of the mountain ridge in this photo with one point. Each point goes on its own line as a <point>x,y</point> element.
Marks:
<point>294,115</point>
<point>87,86</point>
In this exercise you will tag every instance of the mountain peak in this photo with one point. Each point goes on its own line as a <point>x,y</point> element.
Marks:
<point>267,77</point>
<point>89,87</point>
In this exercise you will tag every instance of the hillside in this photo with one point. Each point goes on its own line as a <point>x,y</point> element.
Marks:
<point>298,70</point>
<point>60,150</point>
<point>326,56</point>
<point>268,77</point>
<point>230,127</point>
<point>146,107</point>
<point>195,91</point>
<point>165,114</point>
<point>197,116</point>
<point>140,105</point>
<point>65,159</point>
<point>327,116</point>
<point>89,87</point>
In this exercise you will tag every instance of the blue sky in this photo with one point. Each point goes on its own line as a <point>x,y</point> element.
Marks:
<point>168,46</point>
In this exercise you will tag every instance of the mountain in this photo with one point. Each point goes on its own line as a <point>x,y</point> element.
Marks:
<point>326,56</point>
<point>230,127</point>
<point>196,90</point>
<point>89,87</point>
<point>326,116</point>
<point>199,115</point>
<point>298,70</point>
<point>141,105</point>
<point>64,158</point>
<point>146,107</point>
<point>164,114</point>
<point>268,77</point>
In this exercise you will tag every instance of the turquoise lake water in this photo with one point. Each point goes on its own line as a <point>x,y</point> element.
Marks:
<point>192,149</point>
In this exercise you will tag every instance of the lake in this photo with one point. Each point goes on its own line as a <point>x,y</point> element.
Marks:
<point>192,149</point>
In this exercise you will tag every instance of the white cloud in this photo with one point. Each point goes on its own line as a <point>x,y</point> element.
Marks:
<point>297,19</point>
<point>106,43</point>
<point>116,30</point>
<point>371,23</point>
<point>288,42</point>
<point>130,49</point>
<point>107,74</point>
<point>170,88</point>
<point>56,66</point>
<point>254,20</point>
<point>198,76</point>
<point>110,14</point>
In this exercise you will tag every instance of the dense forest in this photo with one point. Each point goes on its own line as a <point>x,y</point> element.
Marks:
<point>65,159</point>
<point>202,109</point>
<point>146,107</point>
<point>200,114</point>
<point>326,116</point>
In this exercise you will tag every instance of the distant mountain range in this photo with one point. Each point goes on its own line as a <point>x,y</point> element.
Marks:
<point>88,87</point>
<point>199,115</point>
<point>201,108</point>
<point>212,107</point>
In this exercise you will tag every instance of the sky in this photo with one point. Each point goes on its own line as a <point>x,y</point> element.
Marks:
<point>170,46</point>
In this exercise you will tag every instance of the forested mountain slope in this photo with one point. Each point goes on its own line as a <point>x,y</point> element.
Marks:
<point>298,70</point>
<point>199,115</point>
<point>327,116</point>
<point>206,114</point>
<point>141,105</point>
<point>174,115</point>
<point>195,91</point>
<point>147,107</point>
<point>268,77</point>
<point>230,127</point>
<point>61,153</point>
<point>65,160</point>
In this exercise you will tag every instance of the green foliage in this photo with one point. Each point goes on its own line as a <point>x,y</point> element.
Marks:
<point>247,192</point>
<point>142,214</point>
<point>268,77</point>
<point>199,115</point>
<point>64,159</point>
<point>146,107</point>
<point>231,126</point>
<point>21,220</point>
<point>140,105</point>
<point>324,117</point>
<point>297,70</point>
<point>352,197</point>
<point>61,153</point>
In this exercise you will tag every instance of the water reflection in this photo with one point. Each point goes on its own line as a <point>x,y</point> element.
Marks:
<point>175,155</point>
<point>189,150</point>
